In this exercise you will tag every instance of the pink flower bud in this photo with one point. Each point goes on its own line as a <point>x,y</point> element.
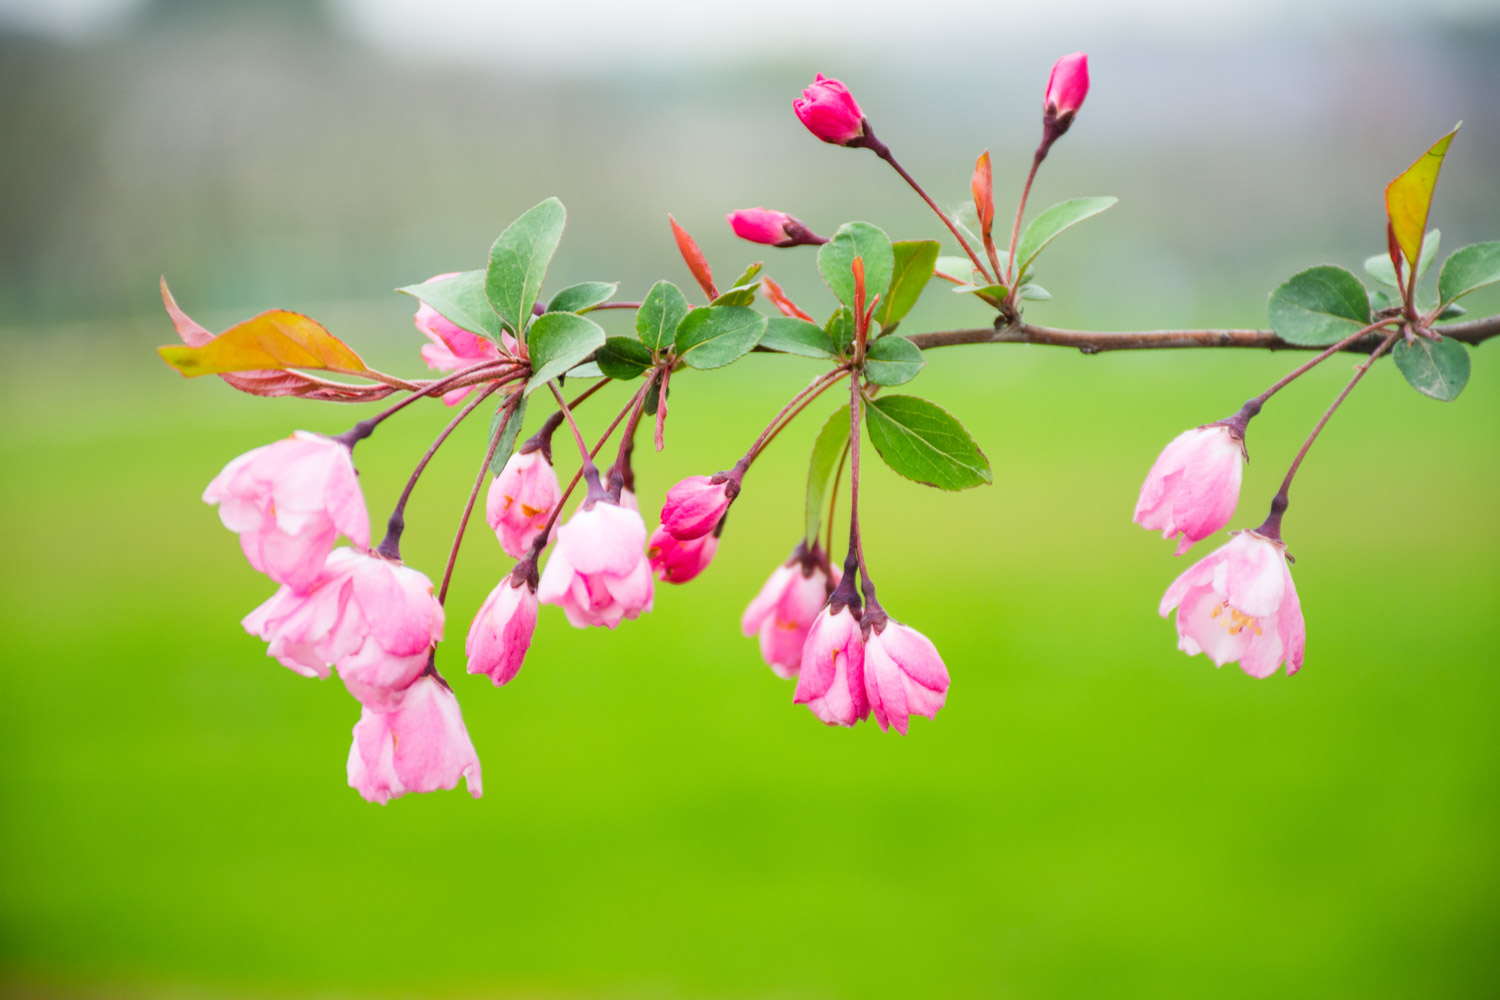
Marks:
<point>420,745</point>
<point>696,505</point>
<point>598,573</point>
<point>1067,86</point>
<point>783,612</point>
<point>1193,488</point>
<point>777,229</point>
<point>831,681</point>
<point>452,346</point>
<point>501,633</point>
<point>521,501</point>
<point>830,112</point>
<point>904,675</point>
<point>289,501</point>
<point>374,619</point>
<point>676,561</point>
<point>1239,603</point>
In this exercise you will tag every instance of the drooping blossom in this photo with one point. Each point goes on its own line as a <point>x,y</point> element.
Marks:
<point>904,675</point>
<point>1238,603</point>
<point>1067,86</point>
<point>1194,486</point>
<point>695,506</point>
<point>372,618</point>
<point>598,572</point>
<point>453,347</point>
<point>783,612</point>
<point>676,561</point>
<point>831,680</point>
<point>501,632</point>
<point>772,228</point>
<point>830,112</point>
<point>419,745</point>
<point>521,500</point>
<point>289,501</point>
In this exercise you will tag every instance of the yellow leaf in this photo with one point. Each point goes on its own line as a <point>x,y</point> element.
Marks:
<point>274,339</point>
<point>1408,198</point>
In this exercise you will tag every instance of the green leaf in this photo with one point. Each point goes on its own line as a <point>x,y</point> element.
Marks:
<point>893,360</point>
<point>840,330</point>
<point>519,261</point>
<point>589,369</point>
<point>583,296</point>
<point>653,394</point>
<point>1050,224</point>
<point>714,336</point>
<point>1034,293</point>
<point>507,436</point>
<point>1319,306</point>
<point>1436,368</point>
<point>1408,198</point>
<point>797,336</point>
<point>1469,268</point>
<point>958,267</point>
<point>915,261</point>
<point>829,445</point>
<point>1380,268</point>
<point>740,295</point>
<point>923,442</point>
<point>623,358</point>
<point>558,341</point>
<point>857,239</point>
<point>460,300</point>
<point>1452,311</point>
<point>750,274</point>
<point>660,312</point>
<point>993,294</point>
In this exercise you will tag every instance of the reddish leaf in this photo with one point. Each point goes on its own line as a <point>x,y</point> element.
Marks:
<point>695,260</point>
<point>778,298</point>
<point>983,186</point>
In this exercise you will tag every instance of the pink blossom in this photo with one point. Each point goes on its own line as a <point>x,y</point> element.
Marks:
<point>830,112</point>
<point>521,501</point>
<point>783,612</point>
<point>831,681</point>
<point>904,675</point>
<point>676,561</point>
<point>1193,488</point>
<point>1067,86</point>
<point>697,504</point>
<point>1239,603</point>
<point>762,225</point>
<point>289,501</point>
<point>419,745</point>
<point>452,347</point>
<point>598,572</point>
<point>501,633</point>
<point>374,619</point>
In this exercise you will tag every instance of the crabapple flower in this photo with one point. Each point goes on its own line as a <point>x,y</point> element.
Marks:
<point>372,618</point>
<point>521,500</point>
<point>1067,86</point>
<point>420,745</point>
<point>452,347</point>
<point>695,506</point>
<point>1194,486</point>
<point>598,572</point>
<point>676,561</point>
<point>831,680</point>
<point>830,112</point>
<point>1239,603</point>
<point>904,675</point>
<point>777,229</point>
<point>783,612</point>
<point>289,501</point>
<point>501,632</point>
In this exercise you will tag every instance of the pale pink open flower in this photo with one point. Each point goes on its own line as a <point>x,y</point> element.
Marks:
<point>782,613</point>
<point>289,501</point>
<point>1238,603</point>
<point>598,572</point>
<point>521,501</point>
<point>904,675</point>
<point>1067,86</point>
<point>830,112</point>
<point>420,745</point>
<point>1192,490</point>
<point>695,506</point>
<point>501,632</point>
<point>676,561</point>
<point>373,619</point>
<point>452,347</point>
<point>831,681</point>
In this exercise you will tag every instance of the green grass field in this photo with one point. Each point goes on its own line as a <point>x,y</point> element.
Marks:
<point>1093,814</point>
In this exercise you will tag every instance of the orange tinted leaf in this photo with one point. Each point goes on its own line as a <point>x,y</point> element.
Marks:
<point>1408,198</point>
<point>274,339</point>
<point>983,187</point>
<point>695,260</point>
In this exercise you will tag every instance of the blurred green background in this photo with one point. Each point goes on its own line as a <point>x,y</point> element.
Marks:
<point>1093,814</point>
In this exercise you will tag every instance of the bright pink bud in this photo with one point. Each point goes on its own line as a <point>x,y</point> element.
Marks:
<point>501,633</point>
<point>831,681</point>
<point>420,745</point>
<point>1193,488</point>
<point>598,573</point>
<point>830,112</point>
<point>452,346</point>
<point>289,501</point>
<point>783,612</point>
<point>521,501</point>
<point>1067,86</point>
<point>676,561</point>
<point>695,506</point>
<point>762,225</point>
<point>1239,603</point>
<point>904,675</point>
<point>374,619</point>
